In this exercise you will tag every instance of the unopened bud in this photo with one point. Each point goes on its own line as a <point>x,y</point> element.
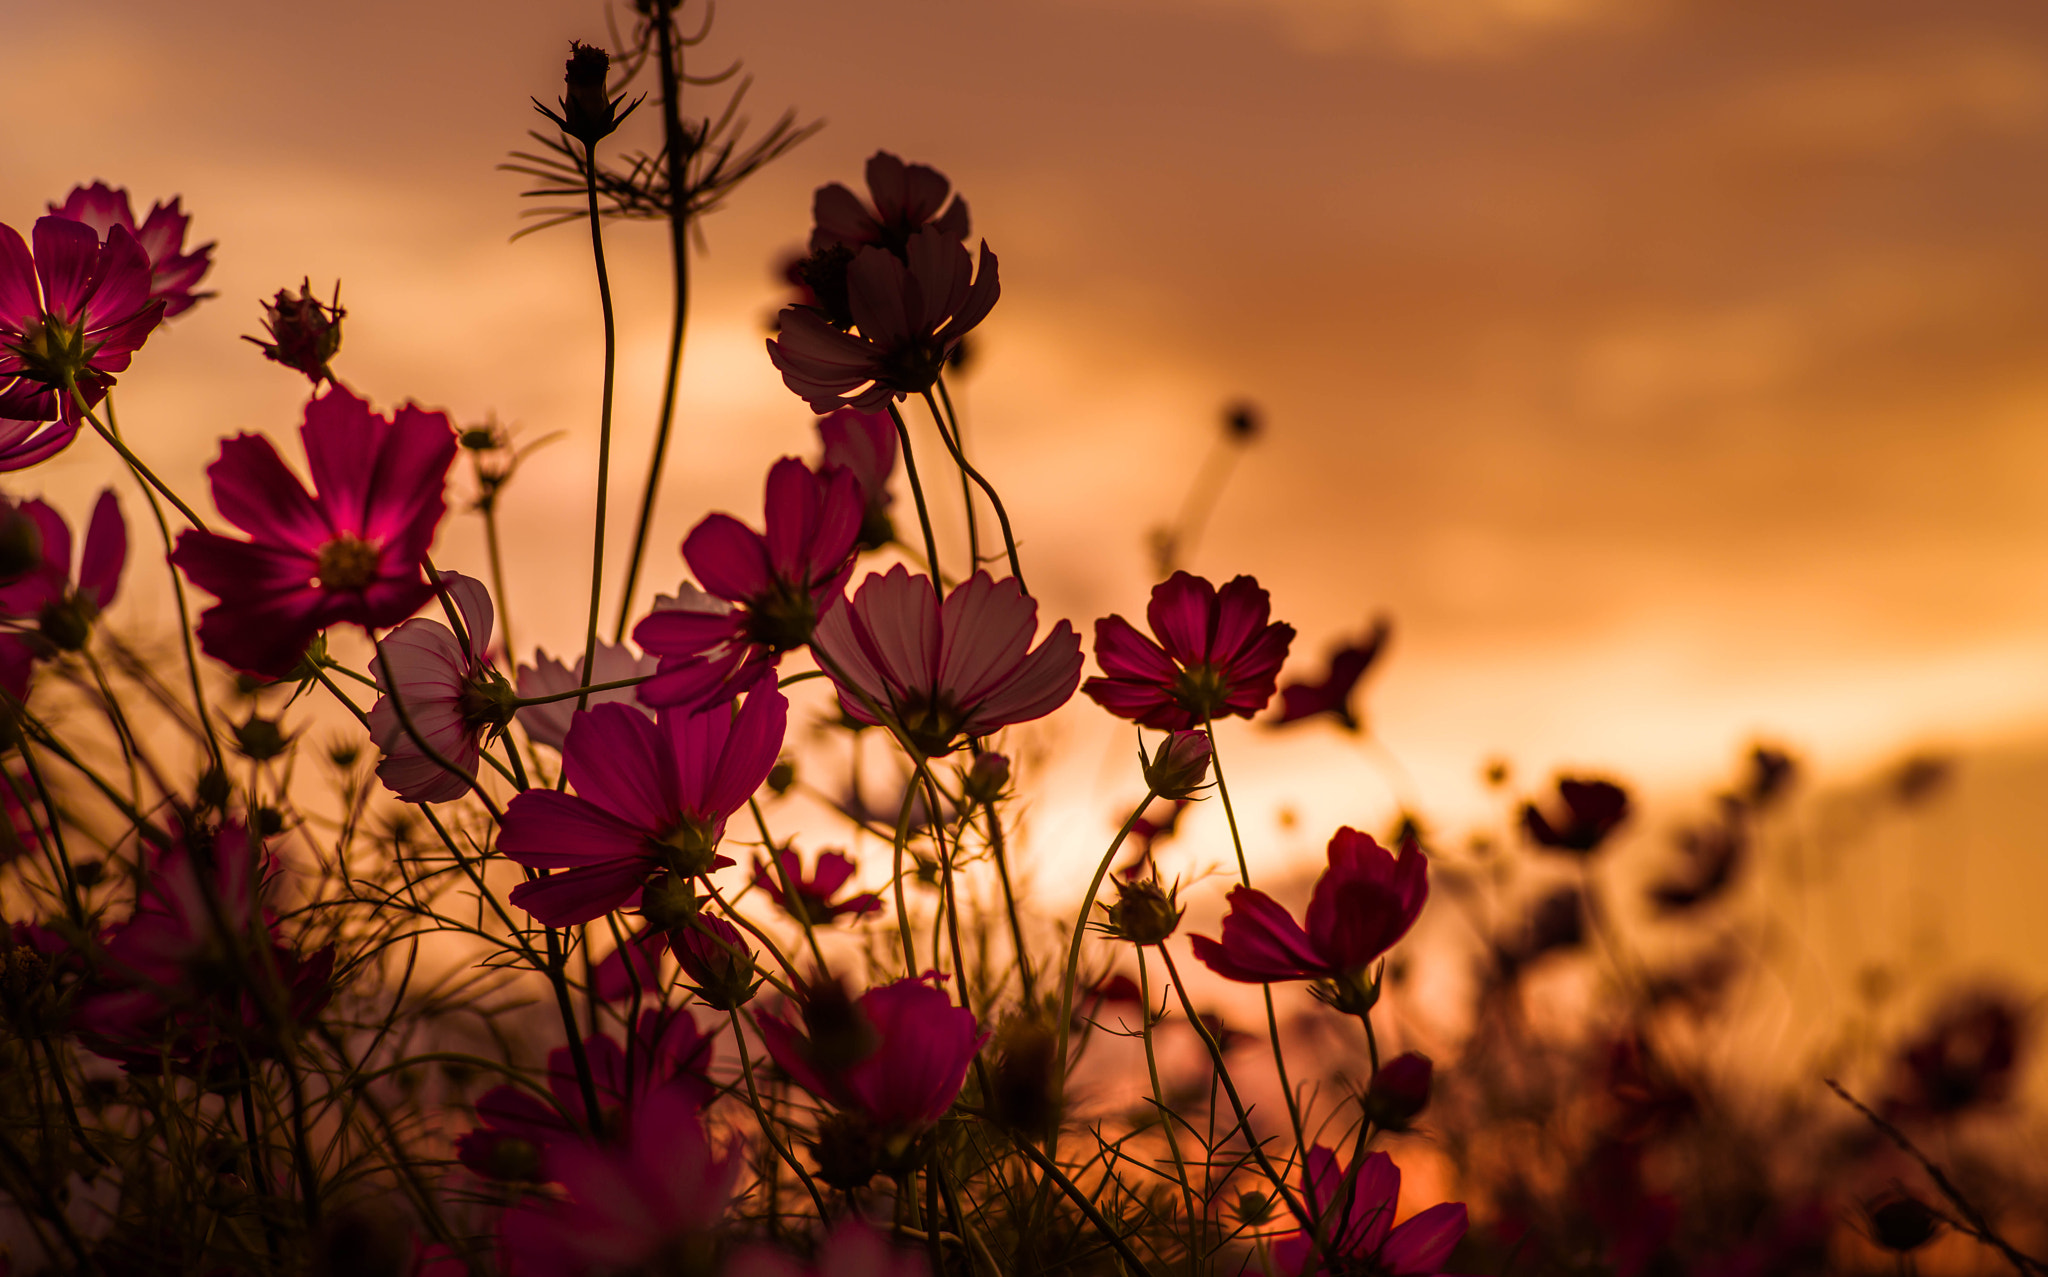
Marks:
<point>588,113</point>
<point>1241,421</point>
<point>1144,913</point>
<point>1254,1208</point>
<point>668,902</point>
<point>782,775</point>
<point>1399,1091</point>
<point>712,953</point>
<point>214,789</point>
<point>1181,766</point>
<point>1903,1223</point>
<point>985,781</point>
<point>305,333</point>
<point>260,738</point>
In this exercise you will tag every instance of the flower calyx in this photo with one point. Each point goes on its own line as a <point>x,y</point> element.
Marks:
<point>1145,912</point>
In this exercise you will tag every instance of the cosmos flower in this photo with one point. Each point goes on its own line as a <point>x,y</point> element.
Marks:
<point>656,1194</point>
<point>25,442</point>
<point>172,271</point>
<point>811,898</point>
<point>518,1127</point>
<point>906,199</point>
<point>918,1046</point>
<point>1593,809</point>
<point>451,693</point>
<point>1216,655</point>
<point>649,796</point>
<point>1333,695</point>
<point>350,551</point>
<point>548,724</point>
<point>946,672</point>
<point>1362,904</point>
<point>187,978</point>
<point>1360,1234</point>
<point>61,607</point>
<point>864,445</point>
<point>1968,1056</point>
<point>72,313</point>
<point>851,1249</point>
<point>779,583</point>
<point>909,312</point>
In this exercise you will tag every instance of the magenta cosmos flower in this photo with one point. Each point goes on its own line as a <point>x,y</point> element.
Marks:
<point>350,551</point>
<point>518,1127</point>
<point>451,691</point>
<point>655,1196</point>
<point>864,445</point>
<point>172,271</point>
<point>1360,1235</point>
<point>72,313</point>
<point>918,1048</point>
<point>1591,810</point>
<point>1334,693</point>
<point>649,796</point>
<point>909,312</point>
<point>1216,655</point>
<point>810,899</point>
<point>59,606</point>
<point>1363,903</point>
<point>778,583</point>
<point>906,198</point>
<point>949,672</point>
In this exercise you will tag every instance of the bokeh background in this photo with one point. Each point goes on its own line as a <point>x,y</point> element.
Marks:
<point>1671,372</point>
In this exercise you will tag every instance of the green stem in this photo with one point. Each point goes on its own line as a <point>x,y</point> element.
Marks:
<point>604,423</point>
<point>924,515</point>
<point>960,459</point>
<point>1167,1117</point>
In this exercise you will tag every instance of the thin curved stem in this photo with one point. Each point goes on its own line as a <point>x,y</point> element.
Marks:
<point>924,514</point>
<point>1002,515</point>
<point>604,421</point>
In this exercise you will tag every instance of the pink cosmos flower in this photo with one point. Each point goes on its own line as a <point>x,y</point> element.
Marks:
<point>649,796</point>
<point>919,1046</point>
<point>348,552</point>
<point>172,270</point>
<point>779,585</point>
<point>1363,903</point>
<point>188,976</point>
<point>1216,656</point>
<point>1360,1234</point>
<point>910,312</point>
<point>656,1194</point>
<point>852,1249</point>
<point>25,442</point>
<point>907,198</point>
<point>518,1127</point>
<point>812,899</point>
<point>864,445</point>
<point>452,693</point>
<point>549,724</point>
<point>60,608</point>
<point>1333,695</point>
<point>951,672</point>
<point>72,313</point>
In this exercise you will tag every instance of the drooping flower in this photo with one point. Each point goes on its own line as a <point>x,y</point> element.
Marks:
<point>173,272</point>
<point>518,1127</point>
<point>1360,1235</point>
<point>944,673</point>
<point>1334,693</point>
<point>548,724</point>
<point>906,199</point>
<point>864,445</point>
<point>1362,904</point>
<point>61,607</point>
<point>350,551</point>
<point>649,796</point>
<point>1217,655</point>
<point>810,899</point>
<point>194,975</point>
<point>778,583</point>
<point>898,1064</point>
<point>657,1194</point>
<point>451,692</point>
<point>72,313</point>
<point>909,313</point>
<point>1593,809</point>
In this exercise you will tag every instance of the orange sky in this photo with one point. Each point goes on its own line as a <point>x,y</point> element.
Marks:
<point>1671,371</point>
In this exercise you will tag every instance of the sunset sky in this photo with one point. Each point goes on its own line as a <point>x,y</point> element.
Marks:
<point>1671,370</point>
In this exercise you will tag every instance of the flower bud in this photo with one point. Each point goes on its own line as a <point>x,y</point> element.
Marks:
<point>1241,421</point>
<point>1144,913</point>
<point>668,901</point>
<point>712,953</point>
<point>588,113</point>
<point>1903,1223</point>
<point>260,738</point>
<point>1254,1209</point>
<point>985,781</point>
<point>1399,1091</point>
<point>305,334</point>
<point>1181,766</point>
<point>782,776</point>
